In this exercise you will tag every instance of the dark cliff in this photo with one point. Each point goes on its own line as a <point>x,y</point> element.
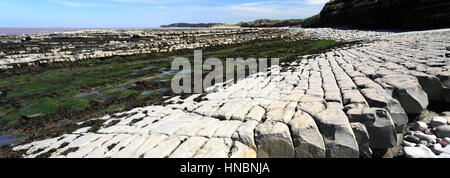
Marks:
<point>385,14</point>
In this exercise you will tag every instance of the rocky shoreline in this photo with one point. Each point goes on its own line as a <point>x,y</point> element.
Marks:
<point>348,103</point>
<point>429,137</point>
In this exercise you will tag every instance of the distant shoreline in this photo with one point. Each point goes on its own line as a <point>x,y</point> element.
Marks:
<point>18,31</point>
<point>34,31</point>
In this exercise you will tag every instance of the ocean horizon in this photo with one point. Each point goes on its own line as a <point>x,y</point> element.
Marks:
<point>18,31</point>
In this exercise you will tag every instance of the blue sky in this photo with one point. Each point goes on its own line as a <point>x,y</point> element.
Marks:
<point>147,13</point>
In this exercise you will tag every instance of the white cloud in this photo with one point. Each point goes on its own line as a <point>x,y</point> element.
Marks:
<point>4,3</point>
<point>77,4</point>
<point>265,9</point>
<point>149,1</point>
<point>162,7</point>
<point>316,2</point>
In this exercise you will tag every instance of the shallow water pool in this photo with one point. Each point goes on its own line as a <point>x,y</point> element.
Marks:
<point>5,139</point>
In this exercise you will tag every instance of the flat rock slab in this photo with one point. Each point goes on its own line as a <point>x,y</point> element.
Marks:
<point>165,148</point>
<point>256,114</point>
<point>273,140</point>
<point>215,148</point>
<point>189,148</point>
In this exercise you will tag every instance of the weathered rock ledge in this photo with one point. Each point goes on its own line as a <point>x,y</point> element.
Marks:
<point>346,103</point>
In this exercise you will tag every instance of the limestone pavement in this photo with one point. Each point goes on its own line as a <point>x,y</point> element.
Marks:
<point>343,103</point>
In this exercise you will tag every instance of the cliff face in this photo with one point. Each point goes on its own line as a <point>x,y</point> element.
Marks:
<point>389,14</point>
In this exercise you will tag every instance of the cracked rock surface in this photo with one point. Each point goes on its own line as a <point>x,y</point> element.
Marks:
<point>343,103</point>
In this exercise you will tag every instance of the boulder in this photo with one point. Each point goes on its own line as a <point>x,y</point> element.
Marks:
<point>379,125</point>
<point>340,141</point>
<point>380,99</point>
<point>408,91</point>
<point>273,140</point>
<point>308,141</point>
<point>398,114</point>
<point>430,84</point>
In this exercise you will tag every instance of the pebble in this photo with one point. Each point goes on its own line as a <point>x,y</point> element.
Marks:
<point>439,149</point>
<point>423,142</point>
<point>443,131</point>
<point>444,155</point>
<point>409,133</point>
<point>406,143</point>
<point>420,126</point>
<point>438,121</point>
<point>412,139</point>
<point>419,142</point>
<point>427,138</point>
<point>419,152</point>
<point>443,143</point>
<point>446,113</point>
